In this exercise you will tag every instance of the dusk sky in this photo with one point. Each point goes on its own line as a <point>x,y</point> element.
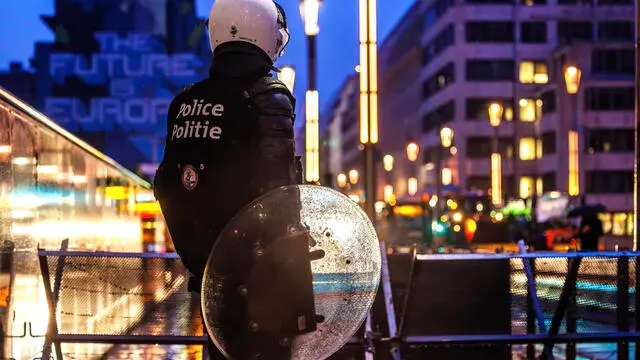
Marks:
<point>21,27</point>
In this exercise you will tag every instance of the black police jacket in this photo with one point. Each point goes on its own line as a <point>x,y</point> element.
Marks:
<point>229,140</point>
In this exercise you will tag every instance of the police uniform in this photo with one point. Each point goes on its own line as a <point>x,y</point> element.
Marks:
<point>229,140</point>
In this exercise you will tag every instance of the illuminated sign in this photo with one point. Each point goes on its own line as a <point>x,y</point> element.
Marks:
<point>137,73</point>
<point>408,210</point>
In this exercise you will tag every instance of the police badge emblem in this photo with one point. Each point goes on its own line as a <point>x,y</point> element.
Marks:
<point>189,177</point>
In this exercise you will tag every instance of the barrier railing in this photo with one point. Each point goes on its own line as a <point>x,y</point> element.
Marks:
<point>481,305</point>
<point>487,306</point>
<point>118,298</point>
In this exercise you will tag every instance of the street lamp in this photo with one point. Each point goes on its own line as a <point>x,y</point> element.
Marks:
<point>309,10</point>
<point>354,176</point>
<point>288,76</point>
<point>387,162</point>
<point>413,150</point>
<point>342,180</point>
<point>495,117</point>
<point>572,77</point>
<point>446,137</point>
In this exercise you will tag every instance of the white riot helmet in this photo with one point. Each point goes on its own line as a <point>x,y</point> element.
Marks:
<point>259,22</point>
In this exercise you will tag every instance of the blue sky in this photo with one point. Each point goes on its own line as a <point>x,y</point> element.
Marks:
<point>21,27</point>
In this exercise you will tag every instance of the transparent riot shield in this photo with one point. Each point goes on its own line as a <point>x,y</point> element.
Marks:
<point>292,276</point>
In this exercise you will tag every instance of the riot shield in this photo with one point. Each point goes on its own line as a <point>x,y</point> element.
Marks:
<point>292,276</point>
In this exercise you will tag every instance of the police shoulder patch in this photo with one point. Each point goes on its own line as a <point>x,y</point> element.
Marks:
<point>189,177</point>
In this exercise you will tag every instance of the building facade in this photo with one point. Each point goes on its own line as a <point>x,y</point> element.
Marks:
<point>113,68</point>
<point>447,60</point>
<point>341,143</point>
<point>400,122</point>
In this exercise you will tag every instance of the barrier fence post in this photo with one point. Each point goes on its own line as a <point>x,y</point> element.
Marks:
<point>637,306</point>
<point>622,305</point>
<point>531,311</point>
<point>571,318</point>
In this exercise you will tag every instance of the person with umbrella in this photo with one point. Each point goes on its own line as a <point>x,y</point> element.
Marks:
<point>590,229</point>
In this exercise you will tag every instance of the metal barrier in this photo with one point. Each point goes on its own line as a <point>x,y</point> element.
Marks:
<point>445,306</point>
<point>485,304</point>
<point>118,298</point>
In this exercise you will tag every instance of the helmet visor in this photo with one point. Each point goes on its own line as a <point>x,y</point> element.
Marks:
<point>284,29</point>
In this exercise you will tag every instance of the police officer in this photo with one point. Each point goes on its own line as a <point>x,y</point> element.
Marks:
<point>230,136</point>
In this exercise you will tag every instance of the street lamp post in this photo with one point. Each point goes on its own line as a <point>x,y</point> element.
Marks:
<point>309,9</point>
<point>495,117</point>
<point>572,77</point>
<point>539,153</point>
<point>368,98</point>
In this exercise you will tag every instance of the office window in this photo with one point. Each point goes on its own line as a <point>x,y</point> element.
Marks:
<point>548,101</point>
<point>527,148</point>
<point>478,183</point>
<point>549,143</point>
<point>533,32</point>
<point>549,182</point>
<point>572,31</point>
<point>606,222</point>
<point>435,12</point>
<point>609,98</point>
<point>478,108</point>
<point>615,2</point>
<point>575,2</point>
<point>610,182</point>
<point>615,30</point>
<point>490,70</point>
<point>527,110</point>
<point>533,72</point>
<point>445,38</point>
<point>526,186</point>
<point>489,31</point>
<point>610,140</point>
<point>480,147</point>
<point>533,2</point>
<point>438,81</point>
<point>613,61</point>
<point>489,2</point>
<point>441,115</point>
<point>619,224</point>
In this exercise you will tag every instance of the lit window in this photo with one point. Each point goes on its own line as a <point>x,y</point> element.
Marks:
<point>508,113</point>
<point>619,224</point>
<point>446,176</point>
<point>539,185</point>
<point>527,148</point>
<point>539,149</point>
<point>526,187</point>
<point>527,110</point>
<point>412,186</point>
<point>606,222</point>
<point>630,224</point>
<point>533,72</point>
<point>388,193</point>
